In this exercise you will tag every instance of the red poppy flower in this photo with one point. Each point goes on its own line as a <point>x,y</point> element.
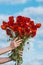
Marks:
<point>33,34</point>
<point>11,18</point>
<point>26,26</point>
<point>3,27</point>
<point>8,31</point>
<point>27,31</point>
<point>23,26</point>
<point>21,31</point>
<point>14,27</point>
<point>31,23</point>
<point>38,25</point>
<point>11,21</point>
<point>33,28</point>
<point>27,19</point>
<point>4,23</point>
<point>20,20</point>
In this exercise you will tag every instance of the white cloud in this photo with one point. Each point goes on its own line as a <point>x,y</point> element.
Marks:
<point>32,49</point>
<point>35,13</point>
<point>39,0</point>
<point>41,44</point>
<point>13,1</point>
<point>41,31</point>
<point>2,32</point>
<point>3,17</point>
<point>37,60</point>
<point>39,57</point>
<point>34,63</point>
<point>32,58</point>
<point>31,11</point>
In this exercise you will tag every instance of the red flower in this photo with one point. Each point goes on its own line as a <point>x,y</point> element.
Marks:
<point>8,31</point>
<point>38,25</point>
<point>20,21</point>
<point>31,23</point>
<point>4,25</point>
<point>33,28</point>
<point>11,21</point>
<point>27,31</point>
<point>21,31</point>
<point>33,34</point>
<point>14,27</point>
<point>26,26</point>
<point>23,26</point>
<point>11,18</point>
<point>27,19</point>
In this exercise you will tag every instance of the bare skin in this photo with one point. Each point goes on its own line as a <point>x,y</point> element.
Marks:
<point>14,44</point>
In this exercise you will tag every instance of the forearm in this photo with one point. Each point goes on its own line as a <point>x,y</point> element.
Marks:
<point>4,60</point>
<point>4,50</point>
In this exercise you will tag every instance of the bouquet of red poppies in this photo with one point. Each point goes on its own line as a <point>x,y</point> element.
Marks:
<point>23,28</point>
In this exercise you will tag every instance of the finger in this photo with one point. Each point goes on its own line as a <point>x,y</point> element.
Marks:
<point>20,51</point>
<point>20,54</point>
<point>19,41</point>
<point>16,39</point>
<point>18,44</point>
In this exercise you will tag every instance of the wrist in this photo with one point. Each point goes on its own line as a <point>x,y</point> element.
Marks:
<point>10,48</point>
<point>10,59</point>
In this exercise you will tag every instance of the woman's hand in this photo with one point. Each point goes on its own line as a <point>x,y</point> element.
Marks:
<point>7,59</point>
<point>20,53</point>
<point>15,43</point>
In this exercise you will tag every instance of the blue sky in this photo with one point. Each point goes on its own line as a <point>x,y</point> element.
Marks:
<point>28,8</point>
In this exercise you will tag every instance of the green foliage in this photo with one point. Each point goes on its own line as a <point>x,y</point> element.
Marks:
<point>15,53</point>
